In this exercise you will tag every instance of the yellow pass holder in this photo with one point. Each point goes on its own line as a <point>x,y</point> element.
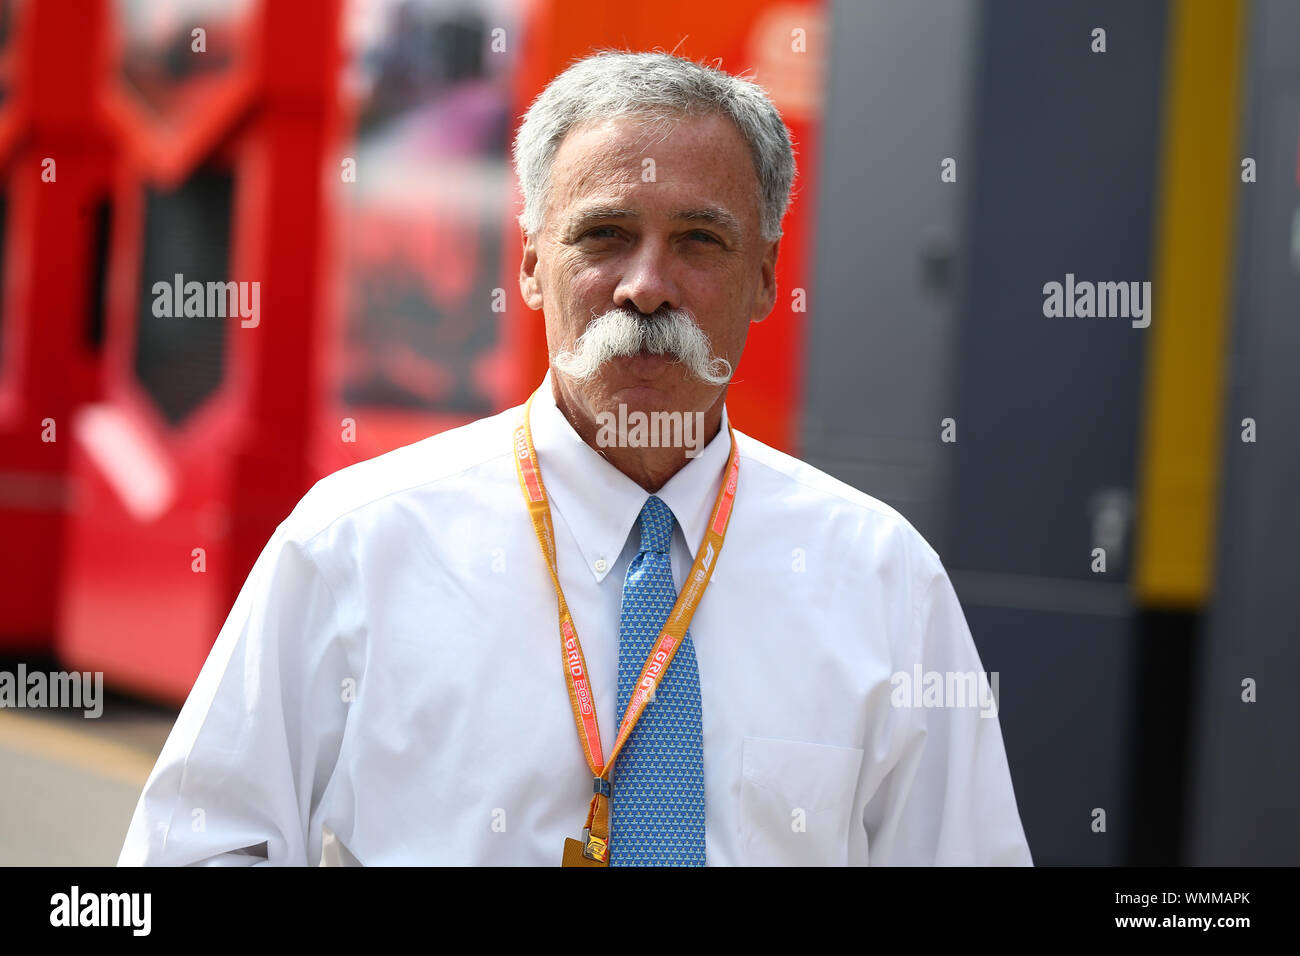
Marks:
<point>575,855</point>
<point>593,848</point>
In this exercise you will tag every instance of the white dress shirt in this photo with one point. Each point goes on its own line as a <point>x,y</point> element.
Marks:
<point>391,671</point>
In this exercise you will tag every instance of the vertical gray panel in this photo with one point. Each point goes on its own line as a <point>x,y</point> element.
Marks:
<point>1064,150</point>
<point>1062,167</point>
<point>881,320</point>
<point>1247,761</point>
<point>1065,720</point>
<point>1057,157</point>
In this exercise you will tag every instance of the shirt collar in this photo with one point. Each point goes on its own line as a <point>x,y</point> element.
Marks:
<point>600,504</point>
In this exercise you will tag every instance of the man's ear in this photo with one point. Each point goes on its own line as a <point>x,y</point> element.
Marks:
<point>529,285</point>
<point>765,298</point>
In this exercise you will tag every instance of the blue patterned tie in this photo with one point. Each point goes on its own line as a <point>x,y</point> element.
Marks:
<point>657,802</point>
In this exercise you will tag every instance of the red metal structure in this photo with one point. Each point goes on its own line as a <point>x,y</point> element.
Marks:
<point>57,166</point>
<point>178,496</point>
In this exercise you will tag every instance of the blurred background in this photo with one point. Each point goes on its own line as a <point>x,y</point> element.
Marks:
<point>351,156</point>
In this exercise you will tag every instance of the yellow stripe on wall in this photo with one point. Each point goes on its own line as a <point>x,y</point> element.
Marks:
<point>47,740</point>
<point>1183,402</point>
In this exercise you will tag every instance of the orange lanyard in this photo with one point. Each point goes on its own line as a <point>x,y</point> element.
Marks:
<point>661,654</point>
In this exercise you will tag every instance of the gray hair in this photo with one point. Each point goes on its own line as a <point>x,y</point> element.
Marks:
<point>614,83</point>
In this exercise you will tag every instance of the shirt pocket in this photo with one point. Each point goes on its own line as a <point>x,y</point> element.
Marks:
<point>796,802</point>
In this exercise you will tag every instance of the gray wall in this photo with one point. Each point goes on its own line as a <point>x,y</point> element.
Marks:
<point>1056,152</point>
<point>881,319</point>
<point>1246,758</point>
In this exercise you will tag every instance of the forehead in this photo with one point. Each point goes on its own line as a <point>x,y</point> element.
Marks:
<point>637,160</point>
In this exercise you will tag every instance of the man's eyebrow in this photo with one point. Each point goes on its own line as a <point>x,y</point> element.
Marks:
<point>594,214</point>
<point>715,216</point>
<point>707,214</point>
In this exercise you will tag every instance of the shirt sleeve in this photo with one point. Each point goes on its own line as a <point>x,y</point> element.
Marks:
<point>948,800</point>
<point>239,780</point>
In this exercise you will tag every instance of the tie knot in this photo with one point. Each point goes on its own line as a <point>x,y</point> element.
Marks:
<point>656,523</point>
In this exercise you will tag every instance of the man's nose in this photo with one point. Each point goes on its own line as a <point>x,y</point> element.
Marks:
<point>647,283</point>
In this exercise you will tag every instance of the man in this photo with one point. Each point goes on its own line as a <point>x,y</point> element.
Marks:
<point>435,654</point>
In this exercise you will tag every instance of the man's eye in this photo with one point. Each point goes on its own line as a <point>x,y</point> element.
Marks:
<point>609,233</point>
<point>697,234</point>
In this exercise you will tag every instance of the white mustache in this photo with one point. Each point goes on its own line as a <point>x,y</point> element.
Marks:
<point>623,332</point>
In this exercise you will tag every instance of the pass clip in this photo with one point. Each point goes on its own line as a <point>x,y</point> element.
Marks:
<point>594,848</point>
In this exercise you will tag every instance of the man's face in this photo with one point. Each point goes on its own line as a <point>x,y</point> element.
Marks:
<point>650,218</point>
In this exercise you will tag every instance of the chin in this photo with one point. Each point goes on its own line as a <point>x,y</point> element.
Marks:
<point>665,393</point>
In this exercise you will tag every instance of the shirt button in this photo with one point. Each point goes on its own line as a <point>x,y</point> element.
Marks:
<point>600,566</point>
